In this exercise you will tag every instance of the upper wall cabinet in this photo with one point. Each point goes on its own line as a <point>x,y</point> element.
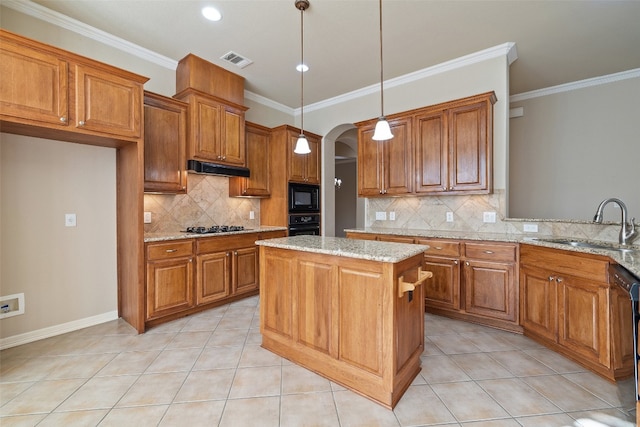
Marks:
<point>165,142</point>
<point>304,168</point>
<point>258,140</point>
<point>384,167</point>
<point>441,149</point>
<point>51,88</point>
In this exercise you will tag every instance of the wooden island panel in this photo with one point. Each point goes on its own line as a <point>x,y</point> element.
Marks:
<point>343,318</point>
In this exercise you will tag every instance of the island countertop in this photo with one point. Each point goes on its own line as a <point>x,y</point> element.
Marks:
<point>352,248</point>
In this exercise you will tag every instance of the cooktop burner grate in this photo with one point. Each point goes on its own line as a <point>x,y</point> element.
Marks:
<point>215,229</point>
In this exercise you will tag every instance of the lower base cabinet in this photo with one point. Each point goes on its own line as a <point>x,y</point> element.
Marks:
<point>189,275</point>
<point>568,305</point>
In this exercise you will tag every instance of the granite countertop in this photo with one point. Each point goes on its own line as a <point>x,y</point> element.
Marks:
<point>629,260</point>
<point>159,237</point>
<point>353,248</point>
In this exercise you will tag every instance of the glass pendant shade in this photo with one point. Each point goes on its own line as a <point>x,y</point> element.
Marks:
<point>302,145</point>
<point>382,131</point>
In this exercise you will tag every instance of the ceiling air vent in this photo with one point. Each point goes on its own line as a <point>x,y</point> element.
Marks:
<point>235,59</point>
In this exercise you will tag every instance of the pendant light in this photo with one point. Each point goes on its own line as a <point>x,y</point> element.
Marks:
<point>382,131</point>
<point>302,145</point>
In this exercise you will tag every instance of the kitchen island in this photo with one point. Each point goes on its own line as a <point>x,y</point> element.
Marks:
<point>349,310</point>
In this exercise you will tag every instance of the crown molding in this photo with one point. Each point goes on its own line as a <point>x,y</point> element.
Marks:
<point>580,84</point>
<point>267,102</point>
<point>40,12</point>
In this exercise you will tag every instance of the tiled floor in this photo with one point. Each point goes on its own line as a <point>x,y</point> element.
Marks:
<point>209,369</point>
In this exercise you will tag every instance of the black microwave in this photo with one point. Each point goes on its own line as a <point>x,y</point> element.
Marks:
<point>304,198</point>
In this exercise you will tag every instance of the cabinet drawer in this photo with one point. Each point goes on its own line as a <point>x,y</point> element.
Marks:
<point>207,245</point>
<point>175,249</point>
<point>440,247</point>
<point>491,252</point>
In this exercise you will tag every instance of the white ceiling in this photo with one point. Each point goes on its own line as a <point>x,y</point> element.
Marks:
<point>557,41</point>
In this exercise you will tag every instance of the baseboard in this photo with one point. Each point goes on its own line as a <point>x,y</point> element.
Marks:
<point>53,331</point>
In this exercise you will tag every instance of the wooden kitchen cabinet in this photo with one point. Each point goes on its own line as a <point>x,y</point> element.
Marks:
<point>58,90</point>
<point>257,140</point>
<point>384,167</point>
<point>454,146</point>
<point>568,305</point>
<point>442,290</point>
<point>304,168</point>
<point>169,284</point>
<point>165,143</point>
<point>216,129</point>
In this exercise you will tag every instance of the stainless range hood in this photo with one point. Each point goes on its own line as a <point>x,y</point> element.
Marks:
<point>206,168</point>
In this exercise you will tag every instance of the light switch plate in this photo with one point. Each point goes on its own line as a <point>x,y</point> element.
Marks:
<point>489,217</point>
<point>252,215</point>
<point>147,217</point>
<point>392,216</point>
<point>70,220</point>
<point>530,228</point>
<point>381,216</point>
<point>449,216</point>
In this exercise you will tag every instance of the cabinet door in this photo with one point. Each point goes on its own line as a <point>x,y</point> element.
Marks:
<point>232,132</point>
<point>443,289</point>
<point>34,85</point>
<point>205,138</point>
<point>213,277</point>
<point>304,168</point>
<point>169,286</point>
<point>583,321</point>
<point>469,148</point>
<point>106,103</point>
<point>397,159</point>
<point>369,164</point>
<point>431,152</point>
<point>538,310</point>
<point>490,290</point>
<point>165,141</point>
<point>245,270</point>
<point>312,163</point>
<point>257,140</point>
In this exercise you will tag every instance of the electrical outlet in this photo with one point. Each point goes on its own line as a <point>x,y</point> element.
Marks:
<point>449,216</point>
<point>530,228</point>
<point>70,220</point>
<point>381,216</point>
<point>147,217</point>
<point>252,215</point>
<point>392,216</point>
<point>489,217</point>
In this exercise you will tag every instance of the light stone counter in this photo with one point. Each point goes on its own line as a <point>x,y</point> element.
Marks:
<point>629,260</point>
<point>159,237</point>
<point>352,248</point>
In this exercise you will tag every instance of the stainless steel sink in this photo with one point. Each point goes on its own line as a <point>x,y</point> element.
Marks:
<point>590,245</point>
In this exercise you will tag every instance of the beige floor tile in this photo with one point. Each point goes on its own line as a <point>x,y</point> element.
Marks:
<point>112,344</point>
<point>194,414</point>
<point>620,394</point>
<point>98,393</point>
<point>235,322</point>
<point>308,409</point>
<point>174,360</point>
<point>174,326</point>
<point>430,348</point>
<point>207,324</point>
<point>73,344</point>
<point>480,366</point>
<point>468,402</point>
<point>80,366</point>
<point>190,339</point>
<point>520,341</point>
<point>296,379</point>
<point>420,406</point>
<point>129,363</point>
<point>74,418</point>
<point>141,416</point>
<point>453,344</point>
<point>153,389</point>
<point>254,337</point>
<point>114,327</point>
<point>609,417</point>
<point>228,337</point>
<point>554,360</point>
<point>565,394</point>
<point>151,341</point>
<point>22,420</point>
<point>357,411</point>
<point>441,369</point>
<point>520,364</point>
<point>34,369</point>
<point>517,397</point>
<point>256,382</point>
<point>9,391</point>
<point>261,411</point>
<point>510,422</point>
<point>41,397</point>
<point>487,341</point>
<point>218,358</point>
<point>553,420</point>
<point>254,355</point>
<point>206,385</point>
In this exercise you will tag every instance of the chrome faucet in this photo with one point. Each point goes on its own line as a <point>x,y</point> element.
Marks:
<point>628,231</point>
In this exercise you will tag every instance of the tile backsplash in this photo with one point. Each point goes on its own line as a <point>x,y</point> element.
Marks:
<point>206,203</point>
<point>429,213</point>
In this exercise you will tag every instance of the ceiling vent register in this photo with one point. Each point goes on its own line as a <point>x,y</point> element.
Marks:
<point>235,59</point>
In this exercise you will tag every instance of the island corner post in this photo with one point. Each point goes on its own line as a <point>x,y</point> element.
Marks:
<point>358,322</point>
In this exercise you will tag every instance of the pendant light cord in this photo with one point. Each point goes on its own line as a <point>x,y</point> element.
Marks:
<point>381,65</point>
<point>302,71</point>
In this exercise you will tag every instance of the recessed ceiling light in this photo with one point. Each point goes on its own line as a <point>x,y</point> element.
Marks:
<point>303,68</point>
<point>211,13</point>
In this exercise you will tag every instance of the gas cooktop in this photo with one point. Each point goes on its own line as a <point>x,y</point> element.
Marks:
<point>215,229</point>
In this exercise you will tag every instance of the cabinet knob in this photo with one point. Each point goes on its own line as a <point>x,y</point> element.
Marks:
<point>488,252</point>
<point>438,248</point>
<point>236,253</point>
<point>228,253</point>
<point>455,262</point>
<point>63,119</point>
<point>450,188</point>
<point>224,157</point>
<point>559,279</point>
<point>444,188</point>
<point>466,263</point>
<point>551,278</point>
<point>81,123</point>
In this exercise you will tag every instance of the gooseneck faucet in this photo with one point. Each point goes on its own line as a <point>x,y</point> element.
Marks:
<point>628,231</point>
